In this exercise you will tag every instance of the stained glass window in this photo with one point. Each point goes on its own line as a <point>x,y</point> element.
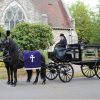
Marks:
<point>13,16</point>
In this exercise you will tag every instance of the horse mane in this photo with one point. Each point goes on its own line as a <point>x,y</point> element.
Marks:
<point>13,46</point>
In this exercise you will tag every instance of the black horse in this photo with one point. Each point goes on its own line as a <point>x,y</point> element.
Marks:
<point>13,62</point>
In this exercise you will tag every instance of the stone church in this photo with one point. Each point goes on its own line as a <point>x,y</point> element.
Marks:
<point>52,12</point>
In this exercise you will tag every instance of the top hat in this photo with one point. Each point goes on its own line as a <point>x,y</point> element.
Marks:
<point>61,34</point>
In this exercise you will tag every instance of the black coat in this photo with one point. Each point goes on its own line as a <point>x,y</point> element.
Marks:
<point>62,43</point>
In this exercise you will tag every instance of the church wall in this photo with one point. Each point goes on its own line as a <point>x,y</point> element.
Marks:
<point>31,14</point>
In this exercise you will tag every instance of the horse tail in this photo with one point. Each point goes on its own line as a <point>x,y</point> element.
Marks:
<point>43,68</point>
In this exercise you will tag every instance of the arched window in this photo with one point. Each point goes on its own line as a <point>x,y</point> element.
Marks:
<point>13,15</point>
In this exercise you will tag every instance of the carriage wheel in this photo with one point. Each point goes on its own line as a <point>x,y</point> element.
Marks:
<point>66,73</point>
<point>51,72</point>
<point>88,71</point>
<point>97,71</point>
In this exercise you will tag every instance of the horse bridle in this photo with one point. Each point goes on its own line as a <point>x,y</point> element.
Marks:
<point>3,42</point>
<point>4,57</point>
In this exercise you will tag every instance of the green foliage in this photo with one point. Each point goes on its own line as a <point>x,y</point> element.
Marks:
<point>95,39</point>
<point>32,36</point>
<point>82,15</point>
<point>45,53</point>
<point>1,54</point>
<point>2,30</point>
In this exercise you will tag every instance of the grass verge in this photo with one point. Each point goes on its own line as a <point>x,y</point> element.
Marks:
<point>22,72</point>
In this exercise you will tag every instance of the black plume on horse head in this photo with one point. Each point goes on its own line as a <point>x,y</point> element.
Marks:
<point>0,34</point>
<point>8,33</point>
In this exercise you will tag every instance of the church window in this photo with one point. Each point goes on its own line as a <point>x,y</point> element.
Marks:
<point>13,15</point>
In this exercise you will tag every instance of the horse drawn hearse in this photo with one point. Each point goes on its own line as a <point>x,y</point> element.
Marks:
<point>61,65</point>
<point>87,56</point>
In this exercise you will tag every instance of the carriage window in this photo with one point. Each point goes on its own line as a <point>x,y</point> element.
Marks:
<point>13,16</point>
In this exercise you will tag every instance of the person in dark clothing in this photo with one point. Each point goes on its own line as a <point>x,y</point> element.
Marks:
<point>63,41</point>
<point>60,48</point>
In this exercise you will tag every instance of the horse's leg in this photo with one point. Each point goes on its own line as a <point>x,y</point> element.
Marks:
<point>37,75</point>
<point>29,75</point>
<point>43,70</point>
<point>43,74</point>
<point>11,71</point>
<point>15,75</point>
<point>8,71</point>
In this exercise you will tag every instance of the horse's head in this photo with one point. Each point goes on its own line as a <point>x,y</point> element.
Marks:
<point>4,42</point>
<point>9,44</point>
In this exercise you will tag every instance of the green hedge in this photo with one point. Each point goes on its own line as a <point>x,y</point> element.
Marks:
<point>2,31</point>
<point>33,36</point>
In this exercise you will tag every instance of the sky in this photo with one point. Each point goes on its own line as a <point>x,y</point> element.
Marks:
<point>91,3</point>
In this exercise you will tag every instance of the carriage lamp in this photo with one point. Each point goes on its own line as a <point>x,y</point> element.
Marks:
<point>82,45</point>
<point>70,36</point>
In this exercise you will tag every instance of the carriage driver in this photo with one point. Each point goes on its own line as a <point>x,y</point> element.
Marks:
<point>63,41</point>
<point>60,47</point>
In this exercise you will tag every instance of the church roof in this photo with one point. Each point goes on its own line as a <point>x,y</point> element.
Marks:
<point>57,15</point>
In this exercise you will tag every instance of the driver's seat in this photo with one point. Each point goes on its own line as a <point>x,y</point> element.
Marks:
<point>61,55</point>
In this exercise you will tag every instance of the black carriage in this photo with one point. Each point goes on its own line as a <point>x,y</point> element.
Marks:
<point>88,57</point>
<point>60,66</point>
<point>79,54</point>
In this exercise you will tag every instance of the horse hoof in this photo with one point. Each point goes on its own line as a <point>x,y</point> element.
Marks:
<point>14,84</point>
<point>8,82</point>
<point>11,83</point>
<point>34,83</point>
<point>43,83</point>
<point>28,81</point>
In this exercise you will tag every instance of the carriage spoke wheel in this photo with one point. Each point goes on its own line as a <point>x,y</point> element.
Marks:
<point>66,73</point>
<point>88,71</point>
<point>97,71</point>
<point>51,73</point>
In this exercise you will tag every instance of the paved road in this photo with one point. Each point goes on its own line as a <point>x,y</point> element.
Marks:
<point>77,89</point>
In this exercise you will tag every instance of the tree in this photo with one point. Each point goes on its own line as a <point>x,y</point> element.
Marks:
<point>32,36</point>
<point>96,22</point>
<point>2,35</point>
<point>82,16</point>
<point>2,30</point>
